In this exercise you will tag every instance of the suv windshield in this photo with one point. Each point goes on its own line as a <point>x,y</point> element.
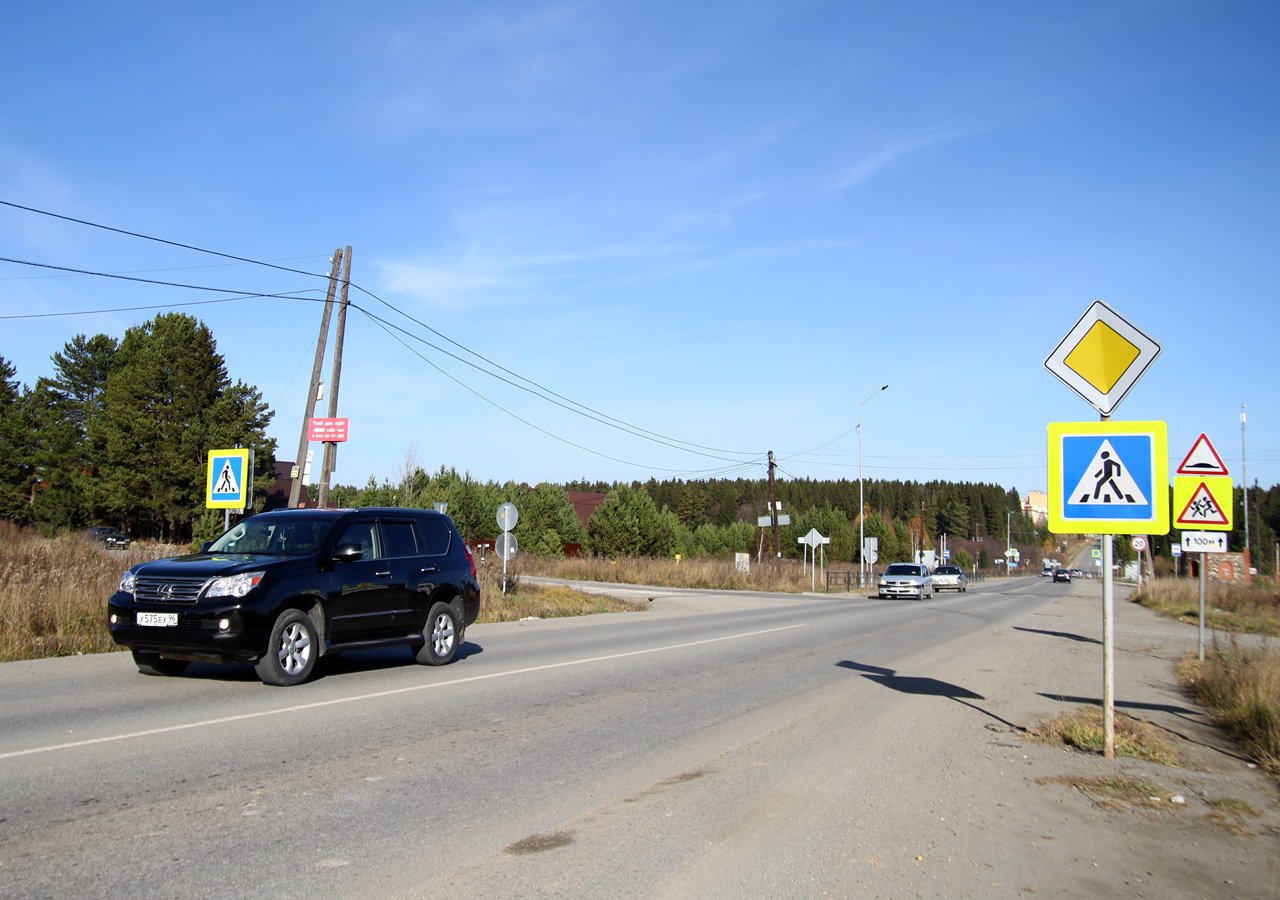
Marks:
<point>280,535</point>
<point>902,569</point>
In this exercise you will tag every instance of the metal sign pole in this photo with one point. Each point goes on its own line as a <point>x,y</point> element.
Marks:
<point>1108,650</point>
<point>1204,557</point>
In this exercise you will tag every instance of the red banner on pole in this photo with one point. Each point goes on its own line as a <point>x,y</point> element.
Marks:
<point>330,431</point>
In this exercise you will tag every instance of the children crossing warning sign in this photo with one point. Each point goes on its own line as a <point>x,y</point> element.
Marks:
<point>1108,478</point>
<point>1203,503</point>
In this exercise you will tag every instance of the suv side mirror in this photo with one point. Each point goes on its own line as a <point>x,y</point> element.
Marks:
<point>348,553</point>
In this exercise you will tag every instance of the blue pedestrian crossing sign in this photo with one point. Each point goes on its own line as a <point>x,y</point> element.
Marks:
<point>1108,478</point>
<point>229,482</point>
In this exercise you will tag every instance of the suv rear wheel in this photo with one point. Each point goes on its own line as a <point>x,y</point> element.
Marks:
<point>440,636</point>
<point>292,650</point>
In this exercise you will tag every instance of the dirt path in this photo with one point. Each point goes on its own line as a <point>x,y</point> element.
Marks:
<point>1004,815</point>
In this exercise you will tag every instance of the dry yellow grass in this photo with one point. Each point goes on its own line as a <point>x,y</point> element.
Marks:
<point>53,591</point>
<point>1250,609</point>
<point>1083,730</point>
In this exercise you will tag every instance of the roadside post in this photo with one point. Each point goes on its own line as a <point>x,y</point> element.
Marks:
<point>812,541</point>
<point>1105,477</point>
<point>1204,494</point>
<point>506,545</point>
<point>1139,543</point>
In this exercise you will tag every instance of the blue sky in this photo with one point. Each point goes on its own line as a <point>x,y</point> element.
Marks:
<point>723,225</point>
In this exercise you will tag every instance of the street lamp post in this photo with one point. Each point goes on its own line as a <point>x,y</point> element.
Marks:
<point>862,538</point>
<point>1008,540</point>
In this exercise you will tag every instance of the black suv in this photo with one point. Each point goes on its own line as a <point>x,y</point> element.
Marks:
<point>283,588</point>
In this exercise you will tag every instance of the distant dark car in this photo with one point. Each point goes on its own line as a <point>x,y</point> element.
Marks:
<point>1061,574</point>
<point>283,588</point>
<point>110,537</point>
<point>950,578</point>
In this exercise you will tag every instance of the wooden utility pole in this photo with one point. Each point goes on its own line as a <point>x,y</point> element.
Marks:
<point>773,508</point>
<point>295,492</point>
<point>330,447</point>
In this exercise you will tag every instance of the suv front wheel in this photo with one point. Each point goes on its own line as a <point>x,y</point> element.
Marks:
<point>292,650</point>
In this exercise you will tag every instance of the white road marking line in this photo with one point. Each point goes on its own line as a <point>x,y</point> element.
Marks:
<point>71,745</point>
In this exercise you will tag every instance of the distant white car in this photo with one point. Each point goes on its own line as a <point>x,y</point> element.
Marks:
<point>905,580</point>
<point>950,578</point>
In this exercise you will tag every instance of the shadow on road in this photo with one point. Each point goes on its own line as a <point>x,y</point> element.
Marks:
<point>923,686</point>
<point>1062,634</point>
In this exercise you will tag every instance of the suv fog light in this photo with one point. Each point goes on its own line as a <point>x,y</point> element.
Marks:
<point>224,624</point>
<point>114,618</point>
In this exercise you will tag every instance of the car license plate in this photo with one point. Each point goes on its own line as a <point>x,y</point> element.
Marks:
<point>162,620</point>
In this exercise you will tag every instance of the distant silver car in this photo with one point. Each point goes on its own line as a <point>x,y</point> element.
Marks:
<point>950,578</point>
<point>905,580</point>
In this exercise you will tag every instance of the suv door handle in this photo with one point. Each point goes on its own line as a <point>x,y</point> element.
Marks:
<point>427,570</point>
<point>386,574</point>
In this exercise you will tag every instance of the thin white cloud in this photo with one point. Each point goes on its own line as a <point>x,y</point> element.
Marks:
<point>872,163</point>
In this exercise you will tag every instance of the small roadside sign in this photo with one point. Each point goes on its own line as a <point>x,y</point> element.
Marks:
<point>327,430</point>
<point>1204,542</point>
<point>1102,357</point>
<point>229,479</point>
<point>1139,543</point>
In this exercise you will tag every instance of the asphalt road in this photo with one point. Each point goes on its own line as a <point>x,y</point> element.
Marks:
<point>686,750</point>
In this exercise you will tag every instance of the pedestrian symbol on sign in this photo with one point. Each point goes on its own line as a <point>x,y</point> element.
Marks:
<point>227,480</point>
<point>1107,480</point>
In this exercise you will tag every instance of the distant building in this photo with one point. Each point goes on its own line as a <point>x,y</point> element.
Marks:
<point>1036,506</point>
<point>278,491</point>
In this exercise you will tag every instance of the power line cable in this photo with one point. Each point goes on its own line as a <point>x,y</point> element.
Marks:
<point>358,287</point>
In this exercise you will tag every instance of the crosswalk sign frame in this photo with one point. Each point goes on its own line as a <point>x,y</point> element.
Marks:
<point>232,463</point>
<point>1140,460</point>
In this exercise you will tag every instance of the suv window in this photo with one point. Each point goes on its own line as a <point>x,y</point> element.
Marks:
<point>364,534</point>
<point>398,539</point>
<point>437,536</point>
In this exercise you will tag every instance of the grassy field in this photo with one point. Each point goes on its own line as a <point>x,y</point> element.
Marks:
<point>1246,609</point>
<point>1238,681</point>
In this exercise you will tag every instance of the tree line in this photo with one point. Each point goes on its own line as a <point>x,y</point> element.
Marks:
<point>120,433</point>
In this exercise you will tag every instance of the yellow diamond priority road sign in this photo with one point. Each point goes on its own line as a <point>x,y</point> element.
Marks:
<point>1102,357</point>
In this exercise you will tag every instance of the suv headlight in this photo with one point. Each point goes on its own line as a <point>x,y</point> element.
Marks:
<point>128,581</point>
<point>234,585</point>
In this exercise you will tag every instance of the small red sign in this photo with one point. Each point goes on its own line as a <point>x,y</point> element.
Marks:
<point>330,431</point>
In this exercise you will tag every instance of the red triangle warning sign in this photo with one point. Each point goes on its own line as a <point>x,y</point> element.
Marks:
<point>1202,509</point>
<point>1203,459</point>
